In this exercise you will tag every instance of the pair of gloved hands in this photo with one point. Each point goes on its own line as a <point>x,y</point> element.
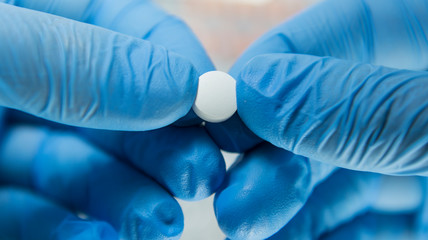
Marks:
<point>296,91</point>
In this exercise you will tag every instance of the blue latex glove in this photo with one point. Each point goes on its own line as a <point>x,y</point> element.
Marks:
<point>373,119</point>
<point>174,149</point>
<point>271,191</point>
<point>28,216</point>
<point>357,116</point>
<point>83,178</point>
<point>184,161</point>
<point>356,204</point>
<point>384,225</point>
<point>92,77</point>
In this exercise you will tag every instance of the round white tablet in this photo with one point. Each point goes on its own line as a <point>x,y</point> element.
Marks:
<point>216,98</point>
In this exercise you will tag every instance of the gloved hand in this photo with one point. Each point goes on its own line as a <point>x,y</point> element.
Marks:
<point>92,77</point>
<point>271,191</point>
<point>70,171</point>
<point>349,113</point>
<point>133,86</point>
<point>336,106</point>
<point>361,205</point>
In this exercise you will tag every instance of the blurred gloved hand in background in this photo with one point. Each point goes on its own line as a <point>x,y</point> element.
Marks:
<point>271,192</point>
<point>319,86</point>
<point>70,71</point>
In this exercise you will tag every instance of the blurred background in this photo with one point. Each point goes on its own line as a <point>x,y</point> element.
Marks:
<point>226,28</point>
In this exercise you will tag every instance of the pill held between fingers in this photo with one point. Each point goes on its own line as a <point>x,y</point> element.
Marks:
<point>216,97</point>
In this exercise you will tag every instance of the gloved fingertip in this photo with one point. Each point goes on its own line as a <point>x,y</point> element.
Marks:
<point>271,87</point>
<point>236,218</point>
<point>255,92</point>
<point>175,100</point>
<point>252,204</point>
<point>170,219</point>
<point>227,218</point>
<point>164,220</point>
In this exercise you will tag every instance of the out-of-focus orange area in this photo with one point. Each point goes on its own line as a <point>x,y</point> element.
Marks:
<point>227,27</point>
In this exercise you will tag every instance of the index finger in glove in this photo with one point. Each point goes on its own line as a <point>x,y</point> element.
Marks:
<point>141,19</point>
<point>356,116</point>
<point>88,76</point>
<point>364,31</point>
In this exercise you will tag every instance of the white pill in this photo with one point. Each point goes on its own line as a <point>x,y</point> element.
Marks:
<point>216,98</point>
